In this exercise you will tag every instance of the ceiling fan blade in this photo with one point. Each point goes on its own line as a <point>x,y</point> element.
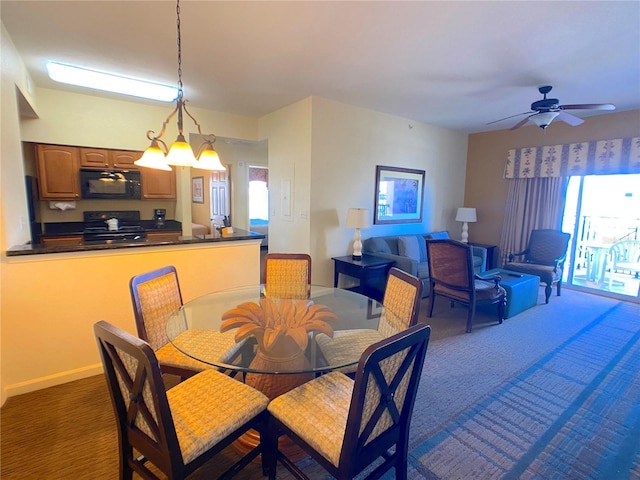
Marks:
<point>507,118</point>
<point>520,123</point>
<point>570,119</point>
<point>588,106</point>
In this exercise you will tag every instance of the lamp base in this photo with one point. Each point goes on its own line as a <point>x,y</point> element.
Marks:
<point>356,257</point>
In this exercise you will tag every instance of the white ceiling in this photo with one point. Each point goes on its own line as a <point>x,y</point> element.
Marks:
<point>454,64</point>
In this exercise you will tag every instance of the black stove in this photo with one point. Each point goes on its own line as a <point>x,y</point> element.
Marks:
<point>96,228</point>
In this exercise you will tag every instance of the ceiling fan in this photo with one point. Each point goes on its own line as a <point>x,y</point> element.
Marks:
<point>544,111</point>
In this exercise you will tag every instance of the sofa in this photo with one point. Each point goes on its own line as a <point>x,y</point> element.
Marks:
<point>410,253</point>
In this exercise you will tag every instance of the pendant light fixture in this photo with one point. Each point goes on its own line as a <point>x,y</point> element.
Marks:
<point>180,153</point>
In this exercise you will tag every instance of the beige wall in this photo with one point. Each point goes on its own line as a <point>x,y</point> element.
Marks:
<point>487,190</point>
<point>288,132</point>
<point>348,142</point>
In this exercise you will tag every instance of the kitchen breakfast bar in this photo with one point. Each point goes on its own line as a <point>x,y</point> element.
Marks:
<point>55,294</point>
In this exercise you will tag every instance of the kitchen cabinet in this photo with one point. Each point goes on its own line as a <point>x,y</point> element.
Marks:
<point>163,236</point>
<point>157,184</point>
<point>58,172</point>
<point>62,240</point>
<point>110,159</point>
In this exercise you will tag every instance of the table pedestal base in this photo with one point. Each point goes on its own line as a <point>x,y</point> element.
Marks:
<point>273,386</point>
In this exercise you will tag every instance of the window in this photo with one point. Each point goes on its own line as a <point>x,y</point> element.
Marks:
<point>258,196</point>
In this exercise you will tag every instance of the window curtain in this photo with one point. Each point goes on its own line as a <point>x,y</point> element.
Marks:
<point>539,177</point>
<point>259,174</point>
<point>532,203</point>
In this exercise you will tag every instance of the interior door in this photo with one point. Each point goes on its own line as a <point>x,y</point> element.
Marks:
<point>220,197</point>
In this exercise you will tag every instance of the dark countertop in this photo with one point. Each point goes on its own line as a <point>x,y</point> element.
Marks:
<point>90,247</point>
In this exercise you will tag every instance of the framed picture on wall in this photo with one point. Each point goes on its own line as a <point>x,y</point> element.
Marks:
<point>197,189</point>
<point>398,195</point>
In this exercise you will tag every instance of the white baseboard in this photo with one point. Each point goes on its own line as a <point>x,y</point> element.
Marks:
<point>51,380</point>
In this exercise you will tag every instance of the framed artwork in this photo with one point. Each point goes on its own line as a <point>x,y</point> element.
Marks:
<point>398,195</point>
<point>197,189</point>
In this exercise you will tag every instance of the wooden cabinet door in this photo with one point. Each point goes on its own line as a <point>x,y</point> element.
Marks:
<point>157,183</point>
<point>163,236</point>
<point>123,159</point>
<point>65,240</point>
<point>58,172</point>
<point>106,158</point>
<point>94,158</point>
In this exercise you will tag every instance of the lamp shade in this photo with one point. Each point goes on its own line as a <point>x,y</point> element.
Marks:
<point>180,154</point>
<point>153,157</point>
<point>466,215</point>
<point>543,119</point>
<point>357,218</point>
<point>209,160</point>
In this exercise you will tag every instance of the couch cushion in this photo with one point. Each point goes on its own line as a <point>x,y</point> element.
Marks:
<point>423,270</point>
<point>408,247</point>
<point>376,245</point>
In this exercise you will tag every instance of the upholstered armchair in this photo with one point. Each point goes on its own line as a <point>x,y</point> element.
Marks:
<point>545,256</point>
<point>452,276</point>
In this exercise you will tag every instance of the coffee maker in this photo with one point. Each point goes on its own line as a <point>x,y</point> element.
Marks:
<point>158,215</point>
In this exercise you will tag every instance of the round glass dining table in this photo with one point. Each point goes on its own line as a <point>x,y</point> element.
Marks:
<point>264,335</point>
<point>270,342</point>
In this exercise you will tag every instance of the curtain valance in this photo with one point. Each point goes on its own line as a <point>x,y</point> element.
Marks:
<point>260,174</point>
<point>598,157</point>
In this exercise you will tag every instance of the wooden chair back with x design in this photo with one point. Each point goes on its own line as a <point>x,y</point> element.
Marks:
<point>172,431</point>
<point>345,424</point>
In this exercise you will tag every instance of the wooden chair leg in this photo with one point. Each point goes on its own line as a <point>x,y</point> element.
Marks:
<point>547,292</point>
<point>470,316</point>
<point>432,301</point>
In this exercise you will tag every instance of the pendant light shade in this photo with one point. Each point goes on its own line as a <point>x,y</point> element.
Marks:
<point>180,154</point>
<point>153,157</point>
<point>209,159</point>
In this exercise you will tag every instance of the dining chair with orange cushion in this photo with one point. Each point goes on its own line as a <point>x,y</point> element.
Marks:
<point>451,276</point>
<point>346,425</point>
<point>287,275</point>
<point>173,431</point>
<point>155,296</point>
<point>401,304</point>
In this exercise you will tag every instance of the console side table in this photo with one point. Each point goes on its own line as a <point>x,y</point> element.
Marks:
<point>371,271</point>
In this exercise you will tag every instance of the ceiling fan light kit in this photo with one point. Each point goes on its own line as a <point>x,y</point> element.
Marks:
<point>544,111</point>
<point>543,119</point>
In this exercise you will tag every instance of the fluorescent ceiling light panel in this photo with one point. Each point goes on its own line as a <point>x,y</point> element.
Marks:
<point>107,82</point>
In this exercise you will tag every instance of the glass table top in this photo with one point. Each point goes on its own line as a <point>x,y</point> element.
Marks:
<point>243,330</point>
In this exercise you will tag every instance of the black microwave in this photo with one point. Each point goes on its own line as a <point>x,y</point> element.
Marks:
<point>110,184</point>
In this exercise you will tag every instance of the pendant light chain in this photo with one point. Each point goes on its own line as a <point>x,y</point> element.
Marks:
<point>157,155</point>
<point>179,50</point>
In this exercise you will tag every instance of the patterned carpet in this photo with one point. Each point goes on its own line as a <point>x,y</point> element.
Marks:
<point>553,393</point>
<point>575,413</point>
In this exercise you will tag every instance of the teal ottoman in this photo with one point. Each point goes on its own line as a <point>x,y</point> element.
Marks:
<point>522,290</point>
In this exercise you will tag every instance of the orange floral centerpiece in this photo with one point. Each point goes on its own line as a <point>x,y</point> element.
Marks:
<point>281,328</point>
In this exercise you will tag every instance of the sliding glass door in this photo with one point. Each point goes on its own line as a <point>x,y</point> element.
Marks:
<point>602,213</point>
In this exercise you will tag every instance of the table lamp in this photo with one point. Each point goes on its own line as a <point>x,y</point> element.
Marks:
<point>466,215</point>
<point>357,218</point>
